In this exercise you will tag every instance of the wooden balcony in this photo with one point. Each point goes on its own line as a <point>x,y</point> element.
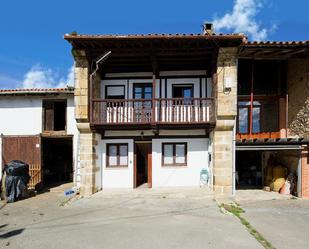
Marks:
<point>174,111</point>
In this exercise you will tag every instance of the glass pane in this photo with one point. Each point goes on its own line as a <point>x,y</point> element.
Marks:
<point>180,153</point>
<point>187,92</point>
<point>243,120</point>
<point>243,103</point>
<point>270,109</point>
<point>168,154</point>
<point>112,152</point>
<point>123,151</point>
<point>256,120</point>
<point>148,95</point>
<point>137,89</point>
<point>138,95</point>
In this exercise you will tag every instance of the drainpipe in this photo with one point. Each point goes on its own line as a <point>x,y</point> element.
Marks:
<point>234,158</point>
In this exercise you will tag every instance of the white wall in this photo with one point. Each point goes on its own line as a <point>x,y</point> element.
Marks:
<point>72,130</point>
<point>23,115</point>
<point>128,83</point>
<point>117,177</point>
<point>20,115</point>
<point>197,158</point>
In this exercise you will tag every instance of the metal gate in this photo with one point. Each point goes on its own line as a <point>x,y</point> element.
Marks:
<point>27,149</point>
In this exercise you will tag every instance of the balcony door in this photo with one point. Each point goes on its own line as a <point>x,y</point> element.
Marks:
<point>142,94</point>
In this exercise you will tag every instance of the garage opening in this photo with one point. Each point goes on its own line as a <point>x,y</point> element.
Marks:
<point>249,169</point>
<point>271,170</point>
<point>57,155</point>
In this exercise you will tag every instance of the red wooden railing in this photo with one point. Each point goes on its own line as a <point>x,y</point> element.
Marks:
<point>144,111</point>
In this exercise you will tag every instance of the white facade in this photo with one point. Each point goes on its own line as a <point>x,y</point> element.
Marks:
<point>121,177</point>
<point>162,176</point>
<point>20,115</point>
<point>189,175</point>
<point>198,146</point>
<point>202,86</point>
<point>23,116</point>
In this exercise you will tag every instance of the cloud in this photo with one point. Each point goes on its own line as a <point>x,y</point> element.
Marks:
<point>40,77</point>
<point>242,19</point>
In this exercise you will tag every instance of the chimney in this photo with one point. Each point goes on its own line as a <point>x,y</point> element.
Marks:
<point>208,28</point>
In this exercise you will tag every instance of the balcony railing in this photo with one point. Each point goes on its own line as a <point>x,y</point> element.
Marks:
<point>157,111</point>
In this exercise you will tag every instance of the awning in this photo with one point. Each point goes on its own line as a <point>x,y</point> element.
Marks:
<point>267,147</point>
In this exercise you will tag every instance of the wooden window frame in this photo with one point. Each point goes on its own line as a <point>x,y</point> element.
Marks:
<point>118,165</point>
<point>122,86</point>
<point>53,101</point>
<point>143,84</point>
<point>174,154</point>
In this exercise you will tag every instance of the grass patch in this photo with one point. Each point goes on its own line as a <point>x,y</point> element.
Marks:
<point>236,210</point>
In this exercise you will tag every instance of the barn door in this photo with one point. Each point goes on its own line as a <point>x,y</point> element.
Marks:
<point>26,149</point>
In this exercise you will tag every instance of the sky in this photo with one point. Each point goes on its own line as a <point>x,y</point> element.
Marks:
<point>33,52</point>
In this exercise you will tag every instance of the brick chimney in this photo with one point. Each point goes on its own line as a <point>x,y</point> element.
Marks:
<point>208,28</point>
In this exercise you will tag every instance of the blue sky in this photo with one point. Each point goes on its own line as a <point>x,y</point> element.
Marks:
<point>32,48</point>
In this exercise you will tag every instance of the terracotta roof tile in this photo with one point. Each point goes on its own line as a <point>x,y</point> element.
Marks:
<point>277,43</point>
<point>150,35</point>
<point>36,91</point>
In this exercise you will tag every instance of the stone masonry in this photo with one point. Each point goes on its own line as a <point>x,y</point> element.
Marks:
<point>226,110</point>
<point>87,140</point>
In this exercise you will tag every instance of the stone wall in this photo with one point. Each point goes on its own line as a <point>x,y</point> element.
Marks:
<point>226,111</point>
<point>87,139</point>
<point>298,91</point>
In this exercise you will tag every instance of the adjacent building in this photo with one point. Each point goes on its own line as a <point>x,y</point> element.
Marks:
<point>38,126</point>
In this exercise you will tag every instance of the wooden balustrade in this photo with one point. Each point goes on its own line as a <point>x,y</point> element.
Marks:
<point>144,111</point>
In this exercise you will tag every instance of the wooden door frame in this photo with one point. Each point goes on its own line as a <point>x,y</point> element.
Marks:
<point>149,165</point>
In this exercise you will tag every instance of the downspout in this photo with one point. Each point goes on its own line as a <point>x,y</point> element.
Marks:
<point>234,159</point>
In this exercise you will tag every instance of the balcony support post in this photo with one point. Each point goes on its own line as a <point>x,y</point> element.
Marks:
<point>153,120</point>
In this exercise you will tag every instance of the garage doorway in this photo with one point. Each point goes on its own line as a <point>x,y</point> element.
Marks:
<point>143,165</point>
<point>57,156</point>
<point>249,170</point>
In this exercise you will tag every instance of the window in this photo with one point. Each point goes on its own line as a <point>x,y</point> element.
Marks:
<point>183,91</point>
<point>115,92</point>
<point>244,116</point>
<point>265,116</point>
<point>117,155</point>
<point>54,115</point>
<point>174,154</point>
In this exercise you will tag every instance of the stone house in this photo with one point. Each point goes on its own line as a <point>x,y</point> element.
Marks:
<point>157,110</point>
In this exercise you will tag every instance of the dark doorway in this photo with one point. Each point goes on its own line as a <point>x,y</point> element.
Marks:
<point>143,162</point>
<point>57,161</point>
<point>54,115</point>
<point>249,170</point>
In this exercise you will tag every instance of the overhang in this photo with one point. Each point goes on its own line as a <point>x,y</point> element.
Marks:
<point>274,50</point>
<point>154,52</point>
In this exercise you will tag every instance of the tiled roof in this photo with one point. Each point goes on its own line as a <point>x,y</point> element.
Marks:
<point>20,91</point>
<point>276,43</point>
<point>150,36</point>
